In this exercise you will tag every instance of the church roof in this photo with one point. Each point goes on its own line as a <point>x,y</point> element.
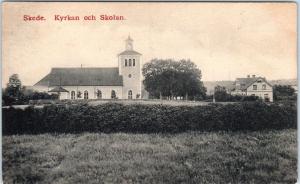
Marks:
<point>129,52</point>
<point>82,77</point>
<point>58,89</point>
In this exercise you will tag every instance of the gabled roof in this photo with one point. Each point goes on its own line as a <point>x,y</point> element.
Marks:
<point>129,52</point>
<point>58,89</point>
<point>82,77</point>
<point>246,82</point>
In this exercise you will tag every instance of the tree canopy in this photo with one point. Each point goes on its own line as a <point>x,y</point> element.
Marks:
<point>283,92</point>
<point>169,78</point>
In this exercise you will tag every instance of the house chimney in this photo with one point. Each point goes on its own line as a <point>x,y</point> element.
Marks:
<point>248,76</point>
<point>253,76</point>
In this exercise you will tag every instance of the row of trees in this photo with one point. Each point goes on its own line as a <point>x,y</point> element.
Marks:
<point>172,79</point>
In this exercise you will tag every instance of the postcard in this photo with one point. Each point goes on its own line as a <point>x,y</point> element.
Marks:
<point>149,92</point>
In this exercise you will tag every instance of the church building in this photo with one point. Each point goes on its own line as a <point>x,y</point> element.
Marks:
<point>122,82</point>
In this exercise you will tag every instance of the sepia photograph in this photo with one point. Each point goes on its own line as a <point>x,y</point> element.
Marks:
<point>149,92</point>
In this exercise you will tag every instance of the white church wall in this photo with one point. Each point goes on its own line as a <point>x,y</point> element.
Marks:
<point>105,90</point>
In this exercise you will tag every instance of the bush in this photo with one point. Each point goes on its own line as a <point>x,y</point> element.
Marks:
<point>113,117</point>
<point>26,97</point>
<point>236,98</point>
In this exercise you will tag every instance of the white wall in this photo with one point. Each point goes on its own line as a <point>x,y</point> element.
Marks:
<point>105,90</point>
<point>260,92</point>
<point>134,83</point>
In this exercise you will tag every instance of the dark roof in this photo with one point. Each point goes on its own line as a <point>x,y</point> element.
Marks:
<point>246,82</point>
<point>58,89</point>
<point>129,52</point>
<point>82,77</point>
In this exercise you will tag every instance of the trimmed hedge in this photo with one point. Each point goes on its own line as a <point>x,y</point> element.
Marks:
<point>111,117</point>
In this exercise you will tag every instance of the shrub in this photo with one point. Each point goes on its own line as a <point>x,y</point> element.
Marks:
<point>26,97</point>
<point>113,117</point>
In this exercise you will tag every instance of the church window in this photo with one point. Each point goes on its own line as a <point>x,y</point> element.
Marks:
<point>72,95</point>
<point>129,94</point>
<point>86,95</point>
<point>133,62</point>
<point>129,62</point>
<point>99,94</point>
<point>113,94</point>
<point>125,62</point>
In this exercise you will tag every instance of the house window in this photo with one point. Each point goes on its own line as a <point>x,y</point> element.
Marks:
<point>113,94</point>
<point>129,94</point>
<point>129,62</point>
<point>72,95</point>
<point>133,62</point>
<point>129,75</point>
<point>254,87</point>
<point>264,87</point>
<point>86,95</point>
<point>125,62</point>
<point>99,94</point>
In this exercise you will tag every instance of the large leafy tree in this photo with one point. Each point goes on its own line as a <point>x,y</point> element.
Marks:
<point>171,78</point>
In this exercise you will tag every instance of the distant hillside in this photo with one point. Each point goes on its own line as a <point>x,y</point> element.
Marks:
<point>229,84</point>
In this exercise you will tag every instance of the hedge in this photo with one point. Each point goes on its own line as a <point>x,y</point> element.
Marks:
<point>112,117</point>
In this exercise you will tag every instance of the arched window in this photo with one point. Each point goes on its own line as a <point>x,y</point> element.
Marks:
<point>133,62</point>
<point>113,94</point>
<point>129,62</point>
<point>86,95</point>
<point>72,95</point>
<point>99,94</point>
<point>129,94</point>
<point>125,62</point>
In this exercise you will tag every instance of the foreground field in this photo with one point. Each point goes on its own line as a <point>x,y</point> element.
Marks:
<point>194,157</point>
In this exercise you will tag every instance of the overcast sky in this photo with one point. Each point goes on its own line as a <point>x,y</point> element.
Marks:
<point>225,40</point>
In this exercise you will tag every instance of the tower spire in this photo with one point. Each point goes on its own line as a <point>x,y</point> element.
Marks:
<point>129,43</point>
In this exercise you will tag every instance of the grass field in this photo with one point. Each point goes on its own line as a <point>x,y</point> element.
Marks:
<point>193,157</point>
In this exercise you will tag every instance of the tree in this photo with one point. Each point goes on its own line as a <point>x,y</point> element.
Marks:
<point>169,78</point>
<point>220,93</point>
<point>283,91</point>
<point>14,86</point>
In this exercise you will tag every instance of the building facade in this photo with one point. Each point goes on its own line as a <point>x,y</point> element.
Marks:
<point>122,82</point>
<point>253,86</point>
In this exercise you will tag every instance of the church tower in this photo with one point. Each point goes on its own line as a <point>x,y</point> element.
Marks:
<point>130,68</point>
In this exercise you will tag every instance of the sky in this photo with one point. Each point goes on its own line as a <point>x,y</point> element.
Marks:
<point>225,40</point>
